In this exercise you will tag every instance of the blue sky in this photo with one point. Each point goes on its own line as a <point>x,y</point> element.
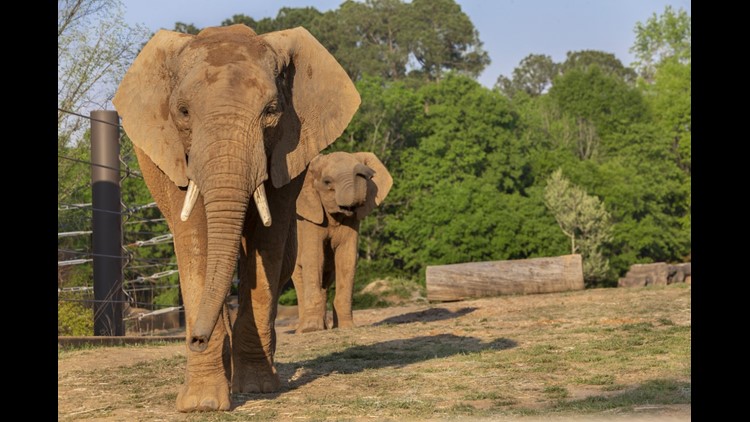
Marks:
<point>509,29</point>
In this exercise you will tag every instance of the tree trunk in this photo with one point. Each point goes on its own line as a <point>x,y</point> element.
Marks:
<point>494,278</point>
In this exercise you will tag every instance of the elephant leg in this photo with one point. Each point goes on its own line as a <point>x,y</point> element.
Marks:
<point>299,286</point>
<point>207,373</point>
<point>266,261</point>
<point>311,260</point>
<point>346,264</point>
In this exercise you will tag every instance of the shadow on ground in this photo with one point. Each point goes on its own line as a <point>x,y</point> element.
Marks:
<point>428,315</point>
<point>392,353</point>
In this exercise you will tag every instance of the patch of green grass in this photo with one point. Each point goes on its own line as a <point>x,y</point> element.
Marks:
<point>483,395</point>
<point>603,379</point>
<point>659,391</point>
<point>556,392</point>
<point>463,409</point>
<point>507,401</point>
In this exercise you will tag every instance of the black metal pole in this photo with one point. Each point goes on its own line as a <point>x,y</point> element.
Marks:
<point>107,223</point>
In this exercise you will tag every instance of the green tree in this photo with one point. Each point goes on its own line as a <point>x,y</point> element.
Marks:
<point>292,17</point>
<point>367,37</point>
<point>585,220</point>
<point>533,75</point>
<point>607,63</point>
<point>286,18</point>
<point>649,198</point>
<point>606,102</point>
<point>441,37</point>
<point>378,37</point>
<point>669,97</point>
<point>662,37</point>
<point>186,28</point>
<point>455,188</point>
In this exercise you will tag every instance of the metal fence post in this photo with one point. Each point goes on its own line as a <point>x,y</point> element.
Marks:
<point>107,223</point>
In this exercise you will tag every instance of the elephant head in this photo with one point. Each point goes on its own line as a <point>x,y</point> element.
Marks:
<point>223,111</point>
<point>343,185</point>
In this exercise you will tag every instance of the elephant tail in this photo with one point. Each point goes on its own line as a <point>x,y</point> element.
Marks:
<point>227,322</point>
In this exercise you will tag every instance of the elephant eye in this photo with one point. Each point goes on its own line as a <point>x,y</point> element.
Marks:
<point>271,114</point>
<point>183,111</point>
<point>327,181</point>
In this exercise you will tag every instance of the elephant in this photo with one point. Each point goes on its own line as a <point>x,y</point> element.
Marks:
<point>216,119</point>
<point>339,190</point>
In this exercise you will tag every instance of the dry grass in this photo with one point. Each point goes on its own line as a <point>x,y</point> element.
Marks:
<point>597,353</point>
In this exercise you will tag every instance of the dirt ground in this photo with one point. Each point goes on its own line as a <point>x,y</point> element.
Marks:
<point>509,316</point>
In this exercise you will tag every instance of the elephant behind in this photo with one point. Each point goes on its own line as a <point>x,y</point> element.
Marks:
<point>218,121</point>
<point>340,189</point>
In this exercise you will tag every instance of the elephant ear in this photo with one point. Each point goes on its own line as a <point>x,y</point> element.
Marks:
<point>309,205</point>
<point>377,187</point>
<point>142,100</point>
<point>323,101</point>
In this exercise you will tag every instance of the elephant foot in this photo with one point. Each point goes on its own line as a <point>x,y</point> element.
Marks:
<point>255,378</point>
<point>344,324</point>
<point>204,396</point>
<point>308,326</point>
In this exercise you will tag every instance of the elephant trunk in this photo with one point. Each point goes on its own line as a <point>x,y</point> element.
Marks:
<point>227,179</point>
<point>353,189</point>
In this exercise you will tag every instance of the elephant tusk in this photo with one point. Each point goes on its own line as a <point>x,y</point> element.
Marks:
<point>190,199</point>
<point>262,203</point>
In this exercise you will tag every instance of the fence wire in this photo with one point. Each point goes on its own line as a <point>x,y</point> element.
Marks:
<point>153,254</point>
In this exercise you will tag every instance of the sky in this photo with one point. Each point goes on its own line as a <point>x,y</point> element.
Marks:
<point>509,29</point>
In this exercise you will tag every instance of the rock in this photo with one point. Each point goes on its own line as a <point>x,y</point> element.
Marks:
<point>641,275</point>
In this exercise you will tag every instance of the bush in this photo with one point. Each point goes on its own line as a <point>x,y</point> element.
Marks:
<point>74,319</point>
<point>167,298</point>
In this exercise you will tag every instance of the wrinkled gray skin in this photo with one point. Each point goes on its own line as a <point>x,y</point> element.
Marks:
<point>229,111</point>
<point>340,189</point>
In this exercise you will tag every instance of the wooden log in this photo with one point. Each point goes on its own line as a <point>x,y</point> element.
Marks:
<point>494,278</point>
<point>641,275</point>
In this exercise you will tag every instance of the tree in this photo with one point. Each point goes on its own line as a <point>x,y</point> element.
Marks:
<point>592,96</point>
<point>441,38</point>
<point>456,188</point>
<point>186,28</point>
<point>533,75</point>
<point>94,48</point>
<point>584,219</point>
<point>661,37</point>
<point>669,97</point>
<point>607,63</point>
<point>286,18</point>
<point>367,37</point>
<point>378,37</point>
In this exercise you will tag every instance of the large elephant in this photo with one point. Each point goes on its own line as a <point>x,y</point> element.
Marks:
<point>216,119</point>
<point>340,189</point>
